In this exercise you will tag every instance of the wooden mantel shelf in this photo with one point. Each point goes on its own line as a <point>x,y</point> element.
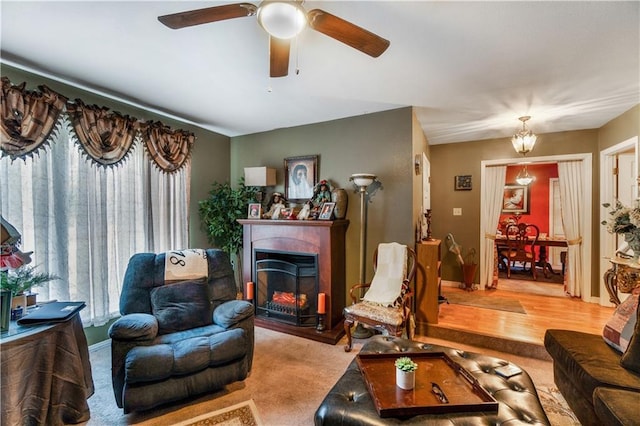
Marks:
<point>324,238</point>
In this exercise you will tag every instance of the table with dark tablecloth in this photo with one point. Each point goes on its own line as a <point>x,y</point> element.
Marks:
<point>45,375</point>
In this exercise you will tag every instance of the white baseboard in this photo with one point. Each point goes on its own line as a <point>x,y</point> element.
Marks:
<point>100,345</point>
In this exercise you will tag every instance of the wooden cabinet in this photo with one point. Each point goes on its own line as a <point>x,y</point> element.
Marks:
<point>428,282</point>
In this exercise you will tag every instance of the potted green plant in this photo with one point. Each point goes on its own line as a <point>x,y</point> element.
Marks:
<point>23,279</point>
<point>405,372</point>
<point>219,214</point>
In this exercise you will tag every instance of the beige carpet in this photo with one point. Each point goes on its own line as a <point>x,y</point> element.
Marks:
<point>289,396</point>
<point>479,300</point>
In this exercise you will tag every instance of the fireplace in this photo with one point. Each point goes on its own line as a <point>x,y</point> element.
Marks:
<point>290,262</point>
<point>286,287</point>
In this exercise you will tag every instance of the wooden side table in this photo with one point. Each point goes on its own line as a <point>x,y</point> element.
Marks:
<point>623,277</point>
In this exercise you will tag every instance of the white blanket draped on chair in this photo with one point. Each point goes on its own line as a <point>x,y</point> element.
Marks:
<point>386,286</point>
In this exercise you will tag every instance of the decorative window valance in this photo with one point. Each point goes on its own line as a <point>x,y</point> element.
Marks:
<point>106,137</point>
<point>168,148</point>
<point>28,118</point>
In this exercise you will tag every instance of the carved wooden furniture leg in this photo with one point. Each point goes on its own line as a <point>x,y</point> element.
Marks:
<point>610,281</point>
<point>347,330</point>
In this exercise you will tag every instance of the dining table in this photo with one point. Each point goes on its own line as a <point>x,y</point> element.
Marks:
<point>542,243</point>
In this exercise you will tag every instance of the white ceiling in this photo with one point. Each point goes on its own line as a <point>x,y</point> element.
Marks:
<point>470,68</point>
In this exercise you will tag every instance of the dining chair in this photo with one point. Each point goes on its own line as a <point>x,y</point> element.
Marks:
<point>521,241</point>
<point>386,306</point>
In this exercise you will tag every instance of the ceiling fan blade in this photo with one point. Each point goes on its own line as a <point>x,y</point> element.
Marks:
<point>346,32</point>
<point>279,57</point>
<point>209,14</point>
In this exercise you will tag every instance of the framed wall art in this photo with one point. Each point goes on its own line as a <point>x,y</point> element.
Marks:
<point>515,199</point>
<point>463,183</point>
<point>300,176</point>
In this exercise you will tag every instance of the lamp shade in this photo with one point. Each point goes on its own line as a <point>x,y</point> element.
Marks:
<point>8,235</point>
<point>363,179</point>
<point>259,176</point>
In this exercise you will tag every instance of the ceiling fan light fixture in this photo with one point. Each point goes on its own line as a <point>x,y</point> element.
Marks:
<point>524,140</point>
<point>282,19</point>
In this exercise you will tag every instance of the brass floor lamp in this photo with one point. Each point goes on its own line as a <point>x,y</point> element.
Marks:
<point>362,181</point>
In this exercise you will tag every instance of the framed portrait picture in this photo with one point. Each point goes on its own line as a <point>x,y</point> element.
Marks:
<point>463,183</point>
<point>515,199</point>
<point>300,176</point>
<point>327,211</point>
<point>254,211</point>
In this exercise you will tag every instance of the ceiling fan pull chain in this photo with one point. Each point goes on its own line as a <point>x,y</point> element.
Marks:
<point>297,67</point>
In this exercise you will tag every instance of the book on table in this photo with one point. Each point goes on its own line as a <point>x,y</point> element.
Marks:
<point>52,312</point>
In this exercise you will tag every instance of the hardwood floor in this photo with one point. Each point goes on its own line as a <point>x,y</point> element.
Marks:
<point>524,333</point>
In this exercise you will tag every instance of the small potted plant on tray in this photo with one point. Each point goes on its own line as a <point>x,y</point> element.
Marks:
<point>405,373</point>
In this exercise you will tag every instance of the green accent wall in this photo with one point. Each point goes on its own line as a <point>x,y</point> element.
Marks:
<point>379,143</point>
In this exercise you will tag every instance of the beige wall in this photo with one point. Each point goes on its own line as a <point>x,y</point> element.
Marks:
<point>379,143</point>
<point>620,129</point>
<point>211,153</point>
<point>449,160</point>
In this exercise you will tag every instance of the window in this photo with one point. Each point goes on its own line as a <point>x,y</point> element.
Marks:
<point>83,222</point>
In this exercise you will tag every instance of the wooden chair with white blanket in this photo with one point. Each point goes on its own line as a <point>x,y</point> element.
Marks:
<point>386,306</point>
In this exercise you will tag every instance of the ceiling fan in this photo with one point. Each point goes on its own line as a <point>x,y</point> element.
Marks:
<point>283,20</point>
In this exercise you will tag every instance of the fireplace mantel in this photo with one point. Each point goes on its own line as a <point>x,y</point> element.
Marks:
<point>326,239</point>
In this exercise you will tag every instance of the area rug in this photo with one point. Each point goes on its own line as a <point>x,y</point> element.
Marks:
<point>477,300</point>
<point>243,414</point>
<point>556,407</point>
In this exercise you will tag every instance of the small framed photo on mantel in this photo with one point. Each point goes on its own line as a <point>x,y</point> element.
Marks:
<point>327,211</point>
<point>254,211</point>
<point>463,183</point>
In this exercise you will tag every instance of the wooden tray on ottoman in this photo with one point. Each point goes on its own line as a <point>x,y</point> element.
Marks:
<point>463,391</point>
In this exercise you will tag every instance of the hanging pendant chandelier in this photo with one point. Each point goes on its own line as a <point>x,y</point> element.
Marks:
<point>524,178</point>
<point>524,140</point>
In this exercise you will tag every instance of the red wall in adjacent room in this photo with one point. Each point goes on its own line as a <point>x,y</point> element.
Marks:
<point>538,193</point>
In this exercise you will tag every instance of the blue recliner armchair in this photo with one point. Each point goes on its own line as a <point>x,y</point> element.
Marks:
<point>178,338</point>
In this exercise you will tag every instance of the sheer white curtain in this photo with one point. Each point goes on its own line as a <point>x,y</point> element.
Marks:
<point>570,175</point>
<point>84,222</point>
<point>493,191</point>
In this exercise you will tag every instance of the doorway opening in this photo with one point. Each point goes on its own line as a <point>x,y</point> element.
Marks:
<point>586,219</point>
<point>618,172</point>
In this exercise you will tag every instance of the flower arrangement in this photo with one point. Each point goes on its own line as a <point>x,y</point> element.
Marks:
<point>625,220</point>
<point>406,364</point>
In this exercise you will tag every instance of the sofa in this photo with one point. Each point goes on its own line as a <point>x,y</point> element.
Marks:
<point>179,336</point>
<point>600,383</point>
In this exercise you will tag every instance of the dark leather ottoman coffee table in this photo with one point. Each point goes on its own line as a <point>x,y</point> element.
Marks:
<point>349,401</point>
